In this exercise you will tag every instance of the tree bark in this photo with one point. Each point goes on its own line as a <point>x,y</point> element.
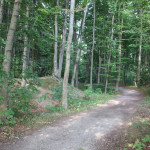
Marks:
<point>26,52</point>
<point>61,54</point>
<point>120,51</point>
<point>111,46</point>
<point>9,46</point>
<point>91,71</point>
<point>56,44</point>
<point>79,50</point>
<point>99,68</point>
<point>140,50</point>
<point>1,11</point>
<point>67,67</point>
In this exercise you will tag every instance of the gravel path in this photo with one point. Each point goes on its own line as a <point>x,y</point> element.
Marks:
<point>81,131</point>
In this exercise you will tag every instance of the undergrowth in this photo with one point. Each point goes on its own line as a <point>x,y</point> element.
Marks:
<point>138,134</point>
<point>76,103</point>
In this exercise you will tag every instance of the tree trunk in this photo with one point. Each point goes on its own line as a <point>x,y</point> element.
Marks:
<point>79,50</point>
<point>99,68</point>
<point>111,46</point>
<point>77,75</point>
<point>61,54</point>
<point>26,52</point>
<point>9,46</point>
<point>56,44</point>
<point>140,50</point>
<point>1,11</point>
<point>67,67</point>
<point>107,72</point>
<point>91,71</point>
<point>120,51</point>
<point>87,70</point>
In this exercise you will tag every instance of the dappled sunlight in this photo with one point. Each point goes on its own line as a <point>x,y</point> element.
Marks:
<point>80,130</point>
<point>98,135</point>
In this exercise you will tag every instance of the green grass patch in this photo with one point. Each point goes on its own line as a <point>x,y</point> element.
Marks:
<point>49,83</point>
<point>146,90</point>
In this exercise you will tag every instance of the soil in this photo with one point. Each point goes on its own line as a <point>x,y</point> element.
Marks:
<point>86,130</point>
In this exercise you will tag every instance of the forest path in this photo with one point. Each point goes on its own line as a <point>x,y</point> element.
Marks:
<point>81,131</point>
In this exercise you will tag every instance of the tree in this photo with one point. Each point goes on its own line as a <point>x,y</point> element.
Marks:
<point>91,72</point>
<point>64,34</point>
<point>56,44</point>
<point>67,67</point>
<point>1,11</point>
<point>119,49</point>
<point>76,64</point>
<point>9,45</point>
<point>26,51</point>
<point>140,49</point>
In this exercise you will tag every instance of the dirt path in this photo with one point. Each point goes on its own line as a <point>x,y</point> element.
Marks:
<point>81,131</point>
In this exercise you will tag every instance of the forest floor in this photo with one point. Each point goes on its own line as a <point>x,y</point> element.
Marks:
<point>87,130</point>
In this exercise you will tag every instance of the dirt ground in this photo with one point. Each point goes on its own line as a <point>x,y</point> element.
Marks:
<point>85,130</point>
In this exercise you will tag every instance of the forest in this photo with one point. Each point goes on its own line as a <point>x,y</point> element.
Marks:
<point>85,44</point>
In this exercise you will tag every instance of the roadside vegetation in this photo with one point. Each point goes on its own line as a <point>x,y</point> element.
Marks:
<point>28,114</point>
<point>138,132</point>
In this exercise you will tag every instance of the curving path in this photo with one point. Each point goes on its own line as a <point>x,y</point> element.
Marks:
<point>80,131</point>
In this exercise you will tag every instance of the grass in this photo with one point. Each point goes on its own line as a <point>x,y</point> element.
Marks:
<point>138,133</point>
<point>49,83</point>
<point>146,90</point>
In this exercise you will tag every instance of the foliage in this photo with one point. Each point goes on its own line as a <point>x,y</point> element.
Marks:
<point>57,93</point>
<point>88,92</point>
<point>20,98</point>
<point>139,145</point>
<point>138,134</point>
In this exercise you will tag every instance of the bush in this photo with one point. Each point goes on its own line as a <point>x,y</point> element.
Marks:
<point>88,92</point>
<point>19,98</point>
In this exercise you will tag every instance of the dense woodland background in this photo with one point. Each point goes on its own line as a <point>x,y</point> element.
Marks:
<point>96,42</point>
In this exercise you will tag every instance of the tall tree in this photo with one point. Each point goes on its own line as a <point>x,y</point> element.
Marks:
<point>64,34</point>
<point>80,42</point>
<point>1,11</point>
<point>56,43</point>
<point>26,51</point>
<point>140,48</point>
<point>119,48</point>
<point>67,67</point>
<point>92,51</point>
<point>110,46</point>
<point>9,45</point>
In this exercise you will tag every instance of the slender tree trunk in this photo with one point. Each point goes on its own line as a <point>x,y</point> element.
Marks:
<point>146,59</point>
<point>107,72</point>
<point>87,70</point>
<point>9,46</point>
<point>111,46</point>
<point>79,50</point>
<point>1,11</point>
<point>67,67</point>
<point>140,50</point>
<point>120,51</point>
<point>1,20</point>
<point>56,44</point>
<point>99,68</point>
<point>91,71</point>
<point>61,54</point>
<point>77,74</point>
<point>26,52</point>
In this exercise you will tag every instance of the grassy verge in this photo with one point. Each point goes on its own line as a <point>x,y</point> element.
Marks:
<point>137,135</point>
